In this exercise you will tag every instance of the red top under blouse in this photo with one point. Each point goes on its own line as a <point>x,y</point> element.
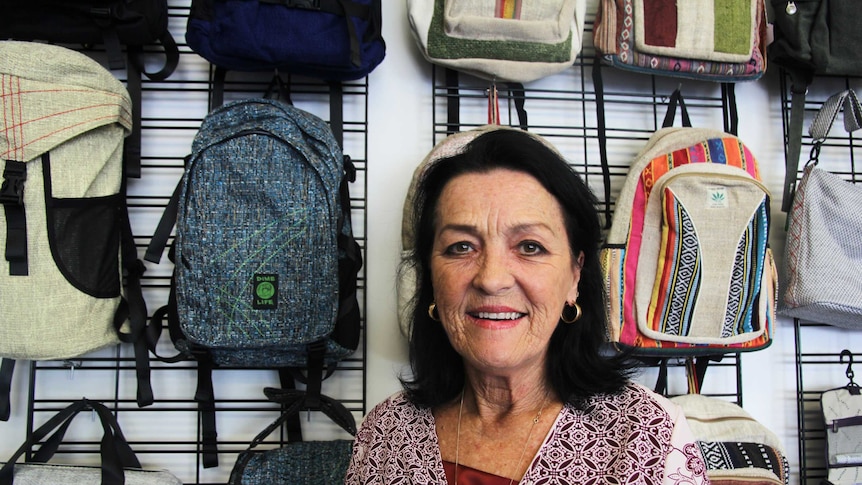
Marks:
<point>472,476</point>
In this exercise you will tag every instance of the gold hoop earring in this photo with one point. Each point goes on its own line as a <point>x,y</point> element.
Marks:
<point>578,313</point>
<point>432,309</point>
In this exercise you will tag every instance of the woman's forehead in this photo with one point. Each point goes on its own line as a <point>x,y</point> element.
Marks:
<point>516,197</point>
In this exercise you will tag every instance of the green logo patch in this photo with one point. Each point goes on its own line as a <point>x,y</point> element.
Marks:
<point>265,292</point>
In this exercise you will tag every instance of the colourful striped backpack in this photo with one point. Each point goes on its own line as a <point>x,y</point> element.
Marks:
<point>687,265</point>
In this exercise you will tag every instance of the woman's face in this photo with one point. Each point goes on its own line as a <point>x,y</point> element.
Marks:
<point>501,268</point>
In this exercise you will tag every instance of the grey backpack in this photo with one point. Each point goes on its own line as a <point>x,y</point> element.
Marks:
<point>265,262</point>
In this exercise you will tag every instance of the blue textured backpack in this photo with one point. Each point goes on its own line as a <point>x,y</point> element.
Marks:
<point>265,262</point>
<point>334,40</point>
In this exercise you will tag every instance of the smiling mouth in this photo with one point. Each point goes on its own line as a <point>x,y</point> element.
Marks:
<point>503,316</point>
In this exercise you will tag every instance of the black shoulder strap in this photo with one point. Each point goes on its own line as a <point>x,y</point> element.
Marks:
<point>729,108</point>
<point>601,126</point>
<point>132,143</point>
<point>7,368</point>
<point>347,324</point>
<point>163,229</point>
<point>133,308</point>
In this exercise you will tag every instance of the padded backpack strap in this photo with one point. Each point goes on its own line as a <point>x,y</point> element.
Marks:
<point>348,321</point>
<point>133,308</point>
<point>166,224</point>
<point>132,143</point>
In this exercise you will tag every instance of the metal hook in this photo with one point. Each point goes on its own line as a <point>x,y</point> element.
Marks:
<point>814,155</point>
<point>72,365</point>
<point>849,372</point>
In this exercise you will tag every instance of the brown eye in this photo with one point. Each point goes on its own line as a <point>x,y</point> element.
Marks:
<point>459,248</point>
<point>531,248</point>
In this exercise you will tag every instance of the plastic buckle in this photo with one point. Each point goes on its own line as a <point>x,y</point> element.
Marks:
<point>12,189</point>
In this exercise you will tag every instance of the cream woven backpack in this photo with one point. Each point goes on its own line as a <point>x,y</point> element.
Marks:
<point>64,220</point>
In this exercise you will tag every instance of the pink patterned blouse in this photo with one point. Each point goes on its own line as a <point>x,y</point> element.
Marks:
<point>635,437</point>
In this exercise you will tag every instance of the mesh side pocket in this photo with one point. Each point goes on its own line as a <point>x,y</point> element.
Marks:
<point>84,235</point>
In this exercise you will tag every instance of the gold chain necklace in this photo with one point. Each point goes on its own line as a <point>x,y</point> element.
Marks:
<point>526,444</point>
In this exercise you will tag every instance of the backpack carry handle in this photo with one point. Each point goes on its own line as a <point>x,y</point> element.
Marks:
<point>115,451</point>
<point>296,401</point>
<point>676,99</point>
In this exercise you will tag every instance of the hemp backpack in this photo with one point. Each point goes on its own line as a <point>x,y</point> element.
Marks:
<point>687,266</point>
<point>512,42</point>
<point>64,230</point>
<point>265,262</point>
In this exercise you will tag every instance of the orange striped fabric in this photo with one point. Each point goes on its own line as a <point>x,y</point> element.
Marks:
<point>508,9</point>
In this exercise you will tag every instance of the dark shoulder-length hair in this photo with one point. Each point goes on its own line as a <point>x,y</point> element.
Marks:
<point>576,367</point>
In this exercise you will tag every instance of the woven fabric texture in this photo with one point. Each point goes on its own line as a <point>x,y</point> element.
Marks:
<point>824,248</point>
<point>634,37</point>
<point>301,463</point>
<point>257,235</point>
<point>62,103</point>
<point>490,44</point>
<point>686,262</point>
<point>48,474</point>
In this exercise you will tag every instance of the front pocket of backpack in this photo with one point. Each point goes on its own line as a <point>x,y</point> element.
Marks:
<point>547,22</point>
<point>280,35</point>
<point>707,264</point>
<point>84,237</point>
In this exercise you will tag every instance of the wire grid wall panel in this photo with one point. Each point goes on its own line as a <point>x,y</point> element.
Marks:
<point>634,107</point>
<point>818,346</point>
<point>167,435</point>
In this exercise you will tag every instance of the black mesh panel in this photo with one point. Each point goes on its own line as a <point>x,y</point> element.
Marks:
<point>85,242</point>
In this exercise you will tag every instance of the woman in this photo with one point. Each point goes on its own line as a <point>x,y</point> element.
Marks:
<point>509,383</point>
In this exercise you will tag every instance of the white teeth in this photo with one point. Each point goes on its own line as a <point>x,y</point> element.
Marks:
<point>499,316</point>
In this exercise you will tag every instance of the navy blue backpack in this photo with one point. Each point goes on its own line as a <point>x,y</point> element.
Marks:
<point>333,40</point>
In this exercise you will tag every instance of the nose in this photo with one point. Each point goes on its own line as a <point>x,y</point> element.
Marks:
<point>493,274</point>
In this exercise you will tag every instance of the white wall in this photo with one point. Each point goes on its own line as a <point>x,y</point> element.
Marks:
<point>400,134</point>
